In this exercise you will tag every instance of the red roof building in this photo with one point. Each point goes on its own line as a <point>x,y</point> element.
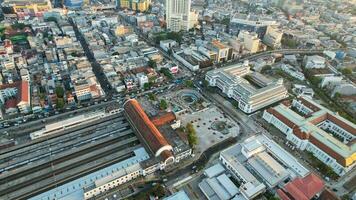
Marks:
<point>148,132</point>
<point>164,119</point>
<point>302,188</point>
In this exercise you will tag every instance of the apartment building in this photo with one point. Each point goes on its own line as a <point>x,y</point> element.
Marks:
<point>252,91</point>
<point>29,8</point>
<point>312,127</point>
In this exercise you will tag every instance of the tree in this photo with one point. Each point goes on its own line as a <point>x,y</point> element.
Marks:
<point>146,86</point>
<point>59,92</point>
<point>266,68</point>
<point>177,36</point>
<point>345,197</point>
<point>59,103</point>
<point>158,191</point>
<point>163,104</point>
<point>51,19</point>
<point>226,21</point>
<point>189,83</point>
<point>346,71</point>
<point>152,64</point>
<point>167,73</point>
<point>192,135</point>
<point>152,97</point>
<point>18,26</point>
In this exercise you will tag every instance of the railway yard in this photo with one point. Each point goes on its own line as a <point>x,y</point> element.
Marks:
<point>40,165</point>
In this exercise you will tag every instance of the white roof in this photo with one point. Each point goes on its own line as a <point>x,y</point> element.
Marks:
<point>220,187</point>
<point>282,155</point>
<point>214,170</point>
<point>181,195</point>
<point>268,168</point>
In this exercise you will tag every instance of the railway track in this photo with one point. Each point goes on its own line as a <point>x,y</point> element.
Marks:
<point>75,134</point>
<point>15,182</point>
<point>60,134</point>
<point>26,194</point>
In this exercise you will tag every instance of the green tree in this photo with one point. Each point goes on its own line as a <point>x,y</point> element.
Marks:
<point>158,191</point>
<point>163,104</point>
<point>51,19</point>
<point>191,135</point>
<point>266,68</point>
<point>345,197</point>
<point>146,86</point>
<point>226,21</point>
<point>346,71</point>
<point>189,83</point>
<point>167,73</point>
<point>59,92</point>
<point>59,103</point>
<point>18,26</point>
<point>152,97</point>
<point>152,64</point>
<point>177,36</point>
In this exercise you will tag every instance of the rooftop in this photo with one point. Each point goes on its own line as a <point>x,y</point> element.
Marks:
<point>302,188</point>
<point>155,141</point>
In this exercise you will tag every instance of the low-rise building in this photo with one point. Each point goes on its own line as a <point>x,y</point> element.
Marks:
<point>260,156</point>
<point>166,45</point>
<point>188,60</point>
<point>218,186</point>
<point>293,72</point>
<point>302,188</point>
<point>314,62</point>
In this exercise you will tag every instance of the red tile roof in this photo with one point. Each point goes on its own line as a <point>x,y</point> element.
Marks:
<point>302,188</point>
<point>308,104</point>
<point>164,119</point>
<point>23,90</point>
<point>342,124</point>
<point>11,103</point>
<point>328,195</point>
<point>143,125</point>
<point>166,155</point>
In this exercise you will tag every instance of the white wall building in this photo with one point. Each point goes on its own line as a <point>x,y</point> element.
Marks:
<point>314,62</point>
<point>178,14</point>
<point>293,72</point>
<point>250,98</point>
<point>317,130</point>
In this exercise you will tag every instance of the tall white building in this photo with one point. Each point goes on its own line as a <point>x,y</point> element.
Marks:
<point>178,15</point>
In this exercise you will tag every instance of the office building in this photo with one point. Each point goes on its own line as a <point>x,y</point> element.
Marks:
<point>179,16</point>
<point>136,5</point>
<point>245,23</point>
<point>73,4</point>
<point>35,8</point>
<point>252,91</point>
<point>312,127</point>
<point>250,41</point>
